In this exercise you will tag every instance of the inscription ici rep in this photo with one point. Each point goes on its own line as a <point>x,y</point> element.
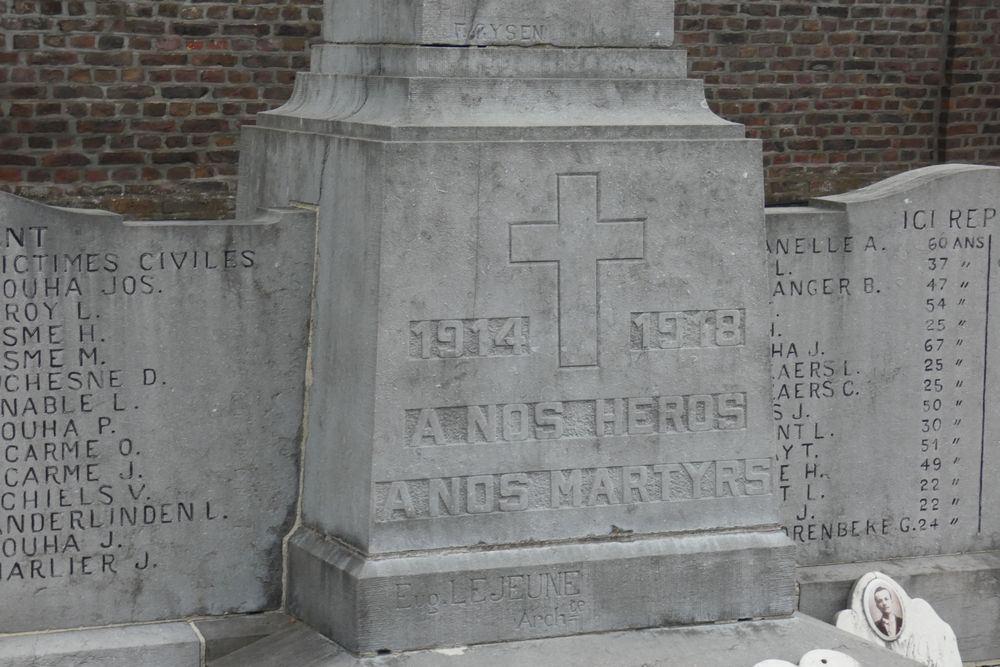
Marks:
<point>576,244</point>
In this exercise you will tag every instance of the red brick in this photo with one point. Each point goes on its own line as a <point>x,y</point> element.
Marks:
<point>43,126</point>
<point>19,159</point>
<point>149,142</point>
<point>66,176</point>
<point>109,59</point>
<point>76,92</point>
<point>65,160</point>
<point>122,157</point>
<point>93,143</point>
<point>134,92</point>
<point>52,58</point>
<point>162,59</point>
<point>153,125</point>
<point>205,125</point>
<point>40,141</point>
<point>184,92</point>
<point>175,157</point>
<point>178,109</point>
<point>25,41</point>
<point>102,126</point>
<point>11,142</point>
<point>121,141</point>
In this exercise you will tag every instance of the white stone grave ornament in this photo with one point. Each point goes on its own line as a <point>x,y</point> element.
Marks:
<point>883,613</point>
<point>824,658</point>
<point>817,658</point>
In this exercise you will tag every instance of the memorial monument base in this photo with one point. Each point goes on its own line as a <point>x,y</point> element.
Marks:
<point>438,599</point>
<point>713,645</point>
<point>273,638</point>
<point>964,589</point>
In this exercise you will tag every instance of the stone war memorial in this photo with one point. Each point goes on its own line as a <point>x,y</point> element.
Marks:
<point>480,376</point>
<point>885,376</point>
<point>150,419</point>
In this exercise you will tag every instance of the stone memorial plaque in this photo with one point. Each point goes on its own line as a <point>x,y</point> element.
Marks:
<point>150,418</point>
<point>884,367</point>
<point>570,23</point>
<point>571,290</point>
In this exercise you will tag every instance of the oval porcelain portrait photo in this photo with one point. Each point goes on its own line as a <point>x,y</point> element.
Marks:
<point>883,609</point>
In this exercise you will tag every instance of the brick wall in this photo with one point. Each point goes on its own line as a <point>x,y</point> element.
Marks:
<point>842,93</point>
<point>971,109</point>
<point>136,106</point>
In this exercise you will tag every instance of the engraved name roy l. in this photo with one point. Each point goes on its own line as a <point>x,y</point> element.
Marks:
<point>576,243</point>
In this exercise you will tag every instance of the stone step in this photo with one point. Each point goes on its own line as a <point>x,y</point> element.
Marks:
<point>721,645</point>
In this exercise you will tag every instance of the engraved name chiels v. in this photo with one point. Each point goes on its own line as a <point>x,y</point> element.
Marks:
<point>576,243</point>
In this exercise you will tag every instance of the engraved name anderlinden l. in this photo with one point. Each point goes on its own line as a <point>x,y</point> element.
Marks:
<point>561,420</point>
<point>403,500</point>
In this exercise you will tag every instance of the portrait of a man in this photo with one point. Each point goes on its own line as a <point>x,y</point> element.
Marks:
<point>885,613</point>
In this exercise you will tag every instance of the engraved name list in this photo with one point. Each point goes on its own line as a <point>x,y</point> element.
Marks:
<point>135,439</point>
<point>75,487</point>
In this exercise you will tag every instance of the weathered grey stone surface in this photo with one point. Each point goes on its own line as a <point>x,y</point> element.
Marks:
<point>225,634</point>
<point>500,63</point>
<point>153,645</point>
<point>151,413</point>
<point>883,377</point>
<point>433,599</point>
<point>724,645</point>
<point>920,633</point>
<point>572,23</point>
<point>882,372</point>
<point>540,344</point>
<point>420,93</point>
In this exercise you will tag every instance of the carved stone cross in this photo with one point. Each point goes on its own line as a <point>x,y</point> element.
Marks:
<point>575,244</point>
